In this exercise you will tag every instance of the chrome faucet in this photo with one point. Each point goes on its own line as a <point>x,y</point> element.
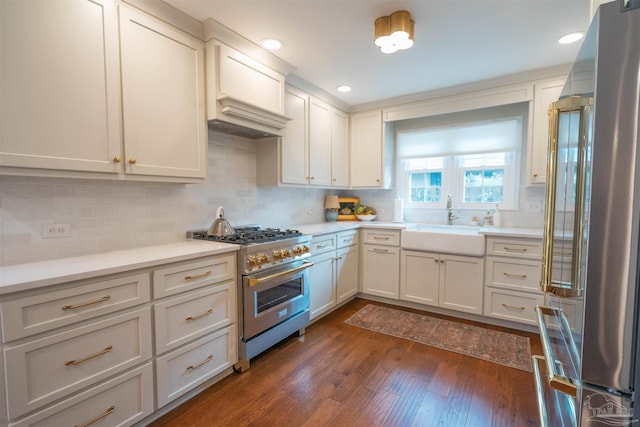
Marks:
<point>450,215</point>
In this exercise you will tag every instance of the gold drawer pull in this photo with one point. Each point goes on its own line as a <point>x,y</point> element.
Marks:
<point>100,353</point>
<point>321,246</point>
<point>84,304</point>
<point>380,238</point>
<point>132,161</point>
<point>514,307</point>
<point>196,366</point>
<point>508,249</point>
<point>517,276</point>
<point>116,159</point>
<point>109,410</point>
<point>380,250</point>
<point>208,312</point>
<point>198,276</point>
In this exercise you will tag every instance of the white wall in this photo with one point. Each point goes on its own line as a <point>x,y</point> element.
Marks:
<point>112,215</point>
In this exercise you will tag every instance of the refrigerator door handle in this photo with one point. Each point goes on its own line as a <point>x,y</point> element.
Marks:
<point>556,375</point>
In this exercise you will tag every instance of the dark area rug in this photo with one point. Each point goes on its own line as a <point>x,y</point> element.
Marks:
<point>486,344</point>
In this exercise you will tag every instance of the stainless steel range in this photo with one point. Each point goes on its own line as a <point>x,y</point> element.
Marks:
<point>273,286</point>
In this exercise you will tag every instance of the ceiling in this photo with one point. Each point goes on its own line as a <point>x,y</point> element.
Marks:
<point>330,42</point>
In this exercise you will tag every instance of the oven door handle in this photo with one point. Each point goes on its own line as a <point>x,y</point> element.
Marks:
<point>253,281</point>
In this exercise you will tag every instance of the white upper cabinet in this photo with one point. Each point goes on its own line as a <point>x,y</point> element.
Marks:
<point>339,149</point>
<point>314,148</point>
<point>62,76</point>
<point>59,85</point>
<point>163,98</point>
<point>545,92</point>
<point>319,143</point>
<point>294,145</point>
<point>371,151</point>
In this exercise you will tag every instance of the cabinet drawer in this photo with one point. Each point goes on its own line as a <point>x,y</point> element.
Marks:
<point>381,237</point>
<point>513,273</point>
<point>513,306</point>
<point>30,315</point>
<point>323,243</point>
<point>187,317</point>
<point>193,275</point>
<point>121,401</point>
<point>44,370</point>
<point>181,370</point>
<point>347,238</point>
<point>520,248</point>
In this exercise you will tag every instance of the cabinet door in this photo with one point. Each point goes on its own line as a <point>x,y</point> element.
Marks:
<point>319,143</point>
<point>294,146</point>
<point>339,149</point>
<point>461,283</point>
<point>59,85</point>
<point>381,271</point>
<point>419,277</point>
<point>165,131</point>
<point>347,273</point>
<point>322,290</point>
<point>545,92</point>
<point>366,157</point>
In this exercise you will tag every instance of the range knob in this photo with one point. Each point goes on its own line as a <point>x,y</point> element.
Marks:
<point>263,259</point>
<point>276,255</point>
<point>252,260</point>
<point>297,250</point>
<point>284,253</point>
<point>305,249</point>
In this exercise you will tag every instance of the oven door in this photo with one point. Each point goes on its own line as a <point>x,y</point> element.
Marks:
<point>273,296</point>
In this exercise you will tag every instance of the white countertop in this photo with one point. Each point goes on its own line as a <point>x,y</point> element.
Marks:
<point>334,227</point>
<point>20,277</point>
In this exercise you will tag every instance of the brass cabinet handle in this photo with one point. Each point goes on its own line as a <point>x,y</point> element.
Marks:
<point>198,276</point>
<point>380,250</point>
<point>132,161</point>
<point>321,246</point>
<point>310,177</point>
<point>84,304</point>
<point>380,238</point>
<point>198,316</point>
<point>535,175</point>
<point>116,159</point>
<point>509,249</point>
<point>197,365</point>
<point>334,179</point>
<point>109,410</point>
<point>84,359</point>
<point>517,276</point>
<point>515,307</point>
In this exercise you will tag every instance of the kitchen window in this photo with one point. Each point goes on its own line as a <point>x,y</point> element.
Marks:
<point>474,161</point>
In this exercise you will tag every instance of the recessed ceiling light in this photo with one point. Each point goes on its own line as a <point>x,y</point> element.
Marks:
<point>344,88</point>
<point>570,38</point>
<point>271,44</point>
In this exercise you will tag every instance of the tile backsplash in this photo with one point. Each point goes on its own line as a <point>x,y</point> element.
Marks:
<point>110,215</point>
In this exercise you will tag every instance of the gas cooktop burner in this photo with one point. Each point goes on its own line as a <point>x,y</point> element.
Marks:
<point>250,235</point>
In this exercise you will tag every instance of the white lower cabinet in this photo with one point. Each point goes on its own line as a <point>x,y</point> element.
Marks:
<point>181,370</point>
<point>333,278</point>
<point>121,401</point>
<point>81,353</point>
<point>381,263</point>
<point>448,281</point>
<point>512,279</point>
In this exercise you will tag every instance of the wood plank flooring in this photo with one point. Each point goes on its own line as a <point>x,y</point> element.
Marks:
<point>341,375</point>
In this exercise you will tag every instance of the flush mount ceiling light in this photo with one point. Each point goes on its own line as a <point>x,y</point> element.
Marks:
<point>344,88</point>
<point>570,38</point>
<point>394,32</point>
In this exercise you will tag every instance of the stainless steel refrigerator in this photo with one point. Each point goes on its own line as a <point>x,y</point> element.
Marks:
<point>589,374</point>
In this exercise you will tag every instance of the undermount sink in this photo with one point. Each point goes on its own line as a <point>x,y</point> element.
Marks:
<point>441,238</point>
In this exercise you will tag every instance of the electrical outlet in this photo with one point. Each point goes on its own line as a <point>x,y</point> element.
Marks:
<point>54,231</point>
<point>533,206</point>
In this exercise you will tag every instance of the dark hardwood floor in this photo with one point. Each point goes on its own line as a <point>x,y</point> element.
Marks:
<point>341,375</point>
